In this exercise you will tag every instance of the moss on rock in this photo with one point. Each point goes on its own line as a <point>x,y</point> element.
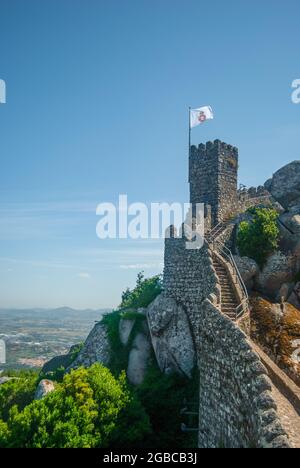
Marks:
<point>276,328</point>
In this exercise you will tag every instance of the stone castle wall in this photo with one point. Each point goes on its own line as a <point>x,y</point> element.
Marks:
<point>213,177</point>
<point>188,274</point>
<point>236,407</point>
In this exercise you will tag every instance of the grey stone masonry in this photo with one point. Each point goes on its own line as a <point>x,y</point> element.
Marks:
<point>237,408</point>
<point>213,172</point>
<point>189,276</point>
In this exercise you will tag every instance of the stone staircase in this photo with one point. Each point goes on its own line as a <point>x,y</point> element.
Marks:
<point>229,278</point>
<point>217,231</point>
<point>229,303</point>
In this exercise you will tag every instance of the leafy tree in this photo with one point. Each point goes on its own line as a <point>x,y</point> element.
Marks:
<point>259,238</point>
<point>86,410</point>
<point>4,434</point>
<point>17,392</point>
<point>145,291</point>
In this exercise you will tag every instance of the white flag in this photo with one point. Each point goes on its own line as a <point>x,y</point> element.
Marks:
<point>199,116</point>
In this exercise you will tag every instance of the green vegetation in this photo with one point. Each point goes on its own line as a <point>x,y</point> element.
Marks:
<point>75,350</point>
<point>20,373</point>
<point>145,291</point>
<point>57,373</point>
<point>118,353</point>
<point>259,238</point>
<point>95,407</point>
<point>18,392</point>
<point>162,396</point>
<point>90,408</point>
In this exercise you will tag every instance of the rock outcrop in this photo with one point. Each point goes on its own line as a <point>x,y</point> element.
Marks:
<point>248,269</point>
<point>291,219</point>
<point>276,328</point>
<point>64,360</point>
<point>44,387</point>
<point>294,298</point>
<point>125,329</point>
<point>140,349</point>
<point>278,270</point>
<point>171,336</point>
<point>96,349</point>
<point>138,359</point>
<point>285,185</point>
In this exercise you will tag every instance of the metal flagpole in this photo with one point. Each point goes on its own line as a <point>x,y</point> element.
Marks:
<point>189,131</point>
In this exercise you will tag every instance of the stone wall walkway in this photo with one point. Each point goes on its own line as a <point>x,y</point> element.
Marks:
<point>290,419</point>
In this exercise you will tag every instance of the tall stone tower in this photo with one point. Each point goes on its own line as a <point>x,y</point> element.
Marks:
<point>213,172</point>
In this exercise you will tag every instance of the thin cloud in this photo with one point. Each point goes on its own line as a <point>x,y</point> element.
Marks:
<point>141,266</point>
<point>84,275</point>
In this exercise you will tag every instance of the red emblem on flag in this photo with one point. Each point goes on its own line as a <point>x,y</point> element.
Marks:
<point>202,117</point>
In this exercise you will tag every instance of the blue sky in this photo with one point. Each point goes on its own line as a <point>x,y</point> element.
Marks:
<point>97,97</point>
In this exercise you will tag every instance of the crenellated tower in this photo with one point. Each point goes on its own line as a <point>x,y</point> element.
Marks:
<point>213,174</point>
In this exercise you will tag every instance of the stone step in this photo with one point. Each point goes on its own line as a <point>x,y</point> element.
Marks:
<point>231,317</point>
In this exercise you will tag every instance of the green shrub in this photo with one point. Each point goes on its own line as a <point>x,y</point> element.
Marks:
<point>118,355</point>
<point>88,409</point>
<point>145,291</point>
<point>95,407</point>
<point>259,238</point>
<point>56,375</point>
<point>17,392</point>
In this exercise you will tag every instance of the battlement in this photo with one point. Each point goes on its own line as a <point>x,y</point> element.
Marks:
<point>217,146</point>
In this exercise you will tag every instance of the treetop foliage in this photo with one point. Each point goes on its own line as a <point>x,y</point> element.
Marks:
<point>259,237</point>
